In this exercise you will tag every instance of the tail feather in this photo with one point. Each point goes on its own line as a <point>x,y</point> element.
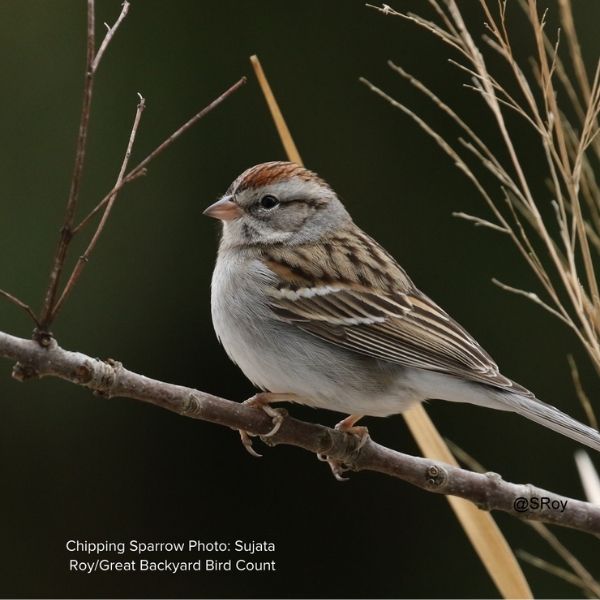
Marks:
<point>551,417</point>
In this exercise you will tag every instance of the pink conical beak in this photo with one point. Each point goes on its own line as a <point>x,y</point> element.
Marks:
<point>224,209</point>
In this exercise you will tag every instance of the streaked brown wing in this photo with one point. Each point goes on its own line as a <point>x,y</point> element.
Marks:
<point>402,327</point>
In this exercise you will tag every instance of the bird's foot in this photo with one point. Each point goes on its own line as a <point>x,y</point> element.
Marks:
<point>262,401</point>
<point>346,425</point>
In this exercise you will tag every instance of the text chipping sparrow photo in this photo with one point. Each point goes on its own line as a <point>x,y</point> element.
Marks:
<point>372,371</point>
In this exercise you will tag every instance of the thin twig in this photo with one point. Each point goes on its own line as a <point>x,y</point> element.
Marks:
<point>127,179</point>
<point>141,166</point>
<point>488,491</point>
<point>109,35</point>
<point>479,222</point>
<point>555,570</point>
<point>21,305</point>
<point>445,108</point>
<point>461,164</point>
<point>84,258</point>
<point>574,563</point>
<point>66,233</point>
<point>530,296</point>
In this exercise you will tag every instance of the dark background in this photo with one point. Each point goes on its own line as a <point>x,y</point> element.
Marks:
<point>74,465</point>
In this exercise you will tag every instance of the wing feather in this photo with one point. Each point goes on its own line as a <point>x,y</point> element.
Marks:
<point>402,327</point>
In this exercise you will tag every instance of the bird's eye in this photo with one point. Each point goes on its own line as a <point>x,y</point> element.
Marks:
<point>269,202</point>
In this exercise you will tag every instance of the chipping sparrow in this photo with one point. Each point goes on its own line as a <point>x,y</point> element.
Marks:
<point>315,311</point>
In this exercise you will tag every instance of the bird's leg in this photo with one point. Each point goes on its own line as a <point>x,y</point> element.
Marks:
<point>346,425</point>
<point>262,401</point>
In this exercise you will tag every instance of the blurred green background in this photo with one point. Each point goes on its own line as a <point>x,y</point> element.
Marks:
<point>74,465</point>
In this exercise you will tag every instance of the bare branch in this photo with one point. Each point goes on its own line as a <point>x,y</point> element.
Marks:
<point>21,305</point>
<point>84,258</point>
<point>187,125</point>
<point>141,166</point>
<point>127,179</point>
<point>65,233</point>
<point>109,36</point>
<point>109,378</point>
<point>108,201</point>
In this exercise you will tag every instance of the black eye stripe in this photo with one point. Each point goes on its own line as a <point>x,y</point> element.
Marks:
<point>269,201</point>
<point>309,202</point>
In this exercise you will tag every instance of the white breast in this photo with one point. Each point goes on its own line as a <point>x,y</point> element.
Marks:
<point>241,318</point>
<point>278,357</point>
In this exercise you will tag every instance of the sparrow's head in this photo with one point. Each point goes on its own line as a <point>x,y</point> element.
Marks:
<point>275,203</point>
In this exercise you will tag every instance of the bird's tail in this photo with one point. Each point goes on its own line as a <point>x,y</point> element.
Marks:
<point>548,416</point>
